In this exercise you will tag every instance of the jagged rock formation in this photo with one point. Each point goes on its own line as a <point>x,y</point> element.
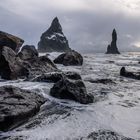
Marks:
<point>69,58</point>
<point>17,105</point>
<point>53,39</point>
<point>10,41</point>
<point>13,67</point>
<point>112,49</point>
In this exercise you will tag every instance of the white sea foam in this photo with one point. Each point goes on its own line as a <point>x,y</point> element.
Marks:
<point>119,112</point>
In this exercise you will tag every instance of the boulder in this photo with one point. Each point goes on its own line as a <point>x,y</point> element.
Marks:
<point>54,77</point>
<point>11,67</point>
<point>102,81</point>
<point>112,49</point>
<point>17,106</point>
<point>69,58</point>
<point>72,90</point>
<point>39,66</point>
<point>133,75</point>
<point>105,135</point>
<point>10,41</point>
<point>28,52</point>
<point>48,77</point>
<point>73,75</point>
<point>53,39</point>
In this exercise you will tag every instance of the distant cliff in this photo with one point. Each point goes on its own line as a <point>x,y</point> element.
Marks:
<point>53,39</point>
<point>112,49</point>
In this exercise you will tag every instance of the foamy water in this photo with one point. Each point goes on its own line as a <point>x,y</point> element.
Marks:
<point>116,108</point>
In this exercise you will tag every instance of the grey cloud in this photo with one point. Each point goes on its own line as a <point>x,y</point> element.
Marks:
<point>86,30</point>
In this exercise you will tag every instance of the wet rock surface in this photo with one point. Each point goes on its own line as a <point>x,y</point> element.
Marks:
<point>105,135</point>
<point>17,105</point>
<point>112,49</point>
<point>53,39</point>
<point>10,41</point>
<point>69,58</point>
<point>49,110</point>
<point>56,76</point>
<point>28,52</point>
<point>72,90</point>
<point>128,74</point>
<point>11,67</point>
<point>102,81</point>
<point>48,77</point>
<point>40,65</point>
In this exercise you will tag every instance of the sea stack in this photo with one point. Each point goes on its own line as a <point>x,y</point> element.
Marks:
<point>53,39</point>
<point>112,49</point>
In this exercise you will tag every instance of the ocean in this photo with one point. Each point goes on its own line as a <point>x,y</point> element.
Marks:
<point>116,106</point>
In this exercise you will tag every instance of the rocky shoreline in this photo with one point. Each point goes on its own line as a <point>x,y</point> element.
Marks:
<point>29,66</point>
<point>17,105</point>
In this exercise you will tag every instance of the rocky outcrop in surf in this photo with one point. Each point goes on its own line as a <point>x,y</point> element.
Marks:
<point>54,77</point>
<point>112,48</point>
<point>17,105</point>
<point>72,90</point>
<point>105,135</point>
<point>70,58</point>
<point>68,85</point>
<point>13,67</point>
<point>128,74</point>
<point>53,39</point>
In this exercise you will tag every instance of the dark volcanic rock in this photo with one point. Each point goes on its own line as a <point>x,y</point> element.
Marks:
<point>16,106</point>
<point>28,52</point>
<point>39,66</point>
<point>49,110</point>
<point>56,76</point>
<point>10,41</point>
<point>102,81</point>
<point>133,75</point>
<point>11,67</point>
<point>48,77</point>
<point>53,39</point>
<point>73,75</point>
<point>105,135</point>
<point>69,58</point>
<point>112,49</point>
<point>72,90</point>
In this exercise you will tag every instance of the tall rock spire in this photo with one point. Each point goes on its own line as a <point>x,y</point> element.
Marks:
<point>55,26</point>
<point>53,39</point>
<point>112,49</point>
<point>114,35</point>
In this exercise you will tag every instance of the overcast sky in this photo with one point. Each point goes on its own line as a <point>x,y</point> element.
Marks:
<point>87,24</point>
